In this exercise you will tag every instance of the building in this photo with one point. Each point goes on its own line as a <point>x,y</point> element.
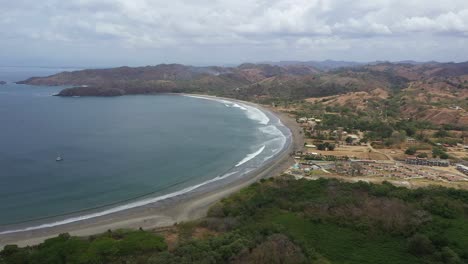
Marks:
<point>462,168</point>
<point>456,107</point>
<point>427,162</point>
<point>352,139</point>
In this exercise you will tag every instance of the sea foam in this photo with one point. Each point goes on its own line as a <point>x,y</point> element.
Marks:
<point>271,130</point>
<point>251,156</point>
<point>252,113</point>
<point>257,115</point>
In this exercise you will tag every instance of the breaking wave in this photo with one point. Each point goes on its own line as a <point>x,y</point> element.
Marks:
<point>251,112</point>
<point>250,156</point>
<point>121,207</point>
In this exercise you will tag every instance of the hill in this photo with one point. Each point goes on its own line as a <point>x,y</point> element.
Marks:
<point>247,81</point>
<point>164,78</point>
<point>434,92</point>
<point>322,65</point>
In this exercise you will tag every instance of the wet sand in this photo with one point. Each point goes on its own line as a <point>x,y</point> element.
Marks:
<point>186,207</point>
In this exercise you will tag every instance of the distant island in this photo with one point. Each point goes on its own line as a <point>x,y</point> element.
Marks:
<point>2,83</point>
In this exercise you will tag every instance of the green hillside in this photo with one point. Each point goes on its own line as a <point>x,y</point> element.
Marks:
<point>289,221</point>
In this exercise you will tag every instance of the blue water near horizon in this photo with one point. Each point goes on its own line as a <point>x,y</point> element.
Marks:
<point>116,149</point>
<point>13,74</point>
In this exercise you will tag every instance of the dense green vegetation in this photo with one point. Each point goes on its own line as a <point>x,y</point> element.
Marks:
<point>105,248</point>
<point>326,146</point>
<point>380,120</point>
<point>291,221</point>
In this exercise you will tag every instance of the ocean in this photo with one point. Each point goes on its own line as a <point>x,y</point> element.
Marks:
<point>118,152</point>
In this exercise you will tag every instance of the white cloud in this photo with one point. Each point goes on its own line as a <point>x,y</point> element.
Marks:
<point>451,22</point>
<point>361,27</point>
<point>320,43</point>
<point>265,26</point>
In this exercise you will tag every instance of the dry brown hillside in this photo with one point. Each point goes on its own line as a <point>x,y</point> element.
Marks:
<point>353,100</point>
<point>433,92</point>
<point>436,92</point>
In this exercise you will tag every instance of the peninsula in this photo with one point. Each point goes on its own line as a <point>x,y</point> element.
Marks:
<point>430,91</point>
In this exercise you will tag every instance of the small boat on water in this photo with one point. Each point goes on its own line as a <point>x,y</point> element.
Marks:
<point>59,158</point>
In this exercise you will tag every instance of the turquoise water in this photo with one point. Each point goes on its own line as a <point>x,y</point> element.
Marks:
<point>117,150</point>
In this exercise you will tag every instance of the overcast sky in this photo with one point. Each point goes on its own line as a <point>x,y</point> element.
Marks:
<point>201,32</point>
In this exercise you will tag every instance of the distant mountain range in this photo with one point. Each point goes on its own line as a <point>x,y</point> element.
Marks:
<point>289,80</point>
<point>426,89</point>
<point>321,65</point>
<point>167,78</point>
<point>332,64</point>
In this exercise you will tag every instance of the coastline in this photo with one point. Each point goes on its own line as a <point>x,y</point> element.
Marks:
<point>185,207</point>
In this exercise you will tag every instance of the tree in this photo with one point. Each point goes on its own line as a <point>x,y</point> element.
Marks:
<point>420,245</point>
<point>444,156</point>
<point>441,133</point>
<point>439,152</point>
<point>398,137</point>
<point>449,256</point>
<point>326,146</point>
<point>422,155</point>
<point>420,136</point>
<point>410,151</point>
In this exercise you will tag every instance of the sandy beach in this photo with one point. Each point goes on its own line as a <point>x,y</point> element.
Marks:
<point>186,207</point>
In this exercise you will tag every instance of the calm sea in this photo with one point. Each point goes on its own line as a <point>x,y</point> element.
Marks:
<point>116,150</point>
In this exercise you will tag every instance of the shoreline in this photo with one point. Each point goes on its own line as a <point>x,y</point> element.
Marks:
<point>184,207</point>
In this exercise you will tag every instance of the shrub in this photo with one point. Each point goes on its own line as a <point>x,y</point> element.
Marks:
<point>422,155</point>
<point>326,146</point>
<point>420,245</point>
<point>444,156</point>
<point>441,133</point>
<point>449,256</point>
<point>410,151</point>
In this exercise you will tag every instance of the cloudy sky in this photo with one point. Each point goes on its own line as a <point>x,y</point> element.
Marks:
<point>201,32</point>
